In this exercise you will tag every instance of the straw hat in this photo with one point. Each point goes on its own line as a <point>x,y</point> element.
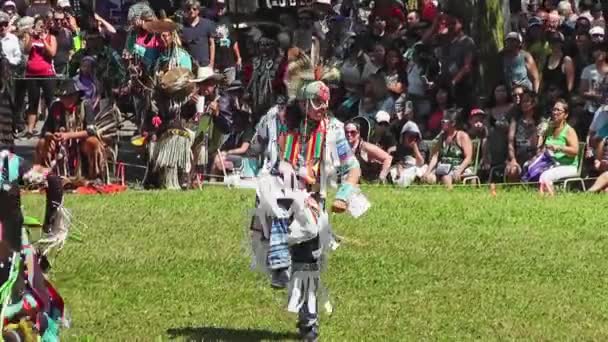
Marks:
<point>206,73</point>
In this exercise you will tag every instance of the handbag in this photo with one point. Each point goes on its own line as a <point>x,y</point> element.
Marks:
<point>537,166</point>
<point>443,169</point>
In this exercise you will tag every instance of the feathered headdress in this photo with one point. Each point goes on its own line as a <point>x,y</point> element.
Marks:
<point>303,79</point>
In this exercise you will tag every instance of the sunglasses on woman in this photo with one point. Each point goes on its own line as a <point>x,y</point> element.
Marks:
<point>352,132</point>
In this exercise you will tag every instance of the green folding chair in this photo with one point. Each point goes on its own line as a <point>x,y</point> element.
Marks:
<point>578,179</point>
<point>477,151</point>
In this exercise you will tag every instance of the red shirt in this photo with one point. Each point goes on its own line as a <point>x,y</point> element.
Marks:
<point>39,63</point>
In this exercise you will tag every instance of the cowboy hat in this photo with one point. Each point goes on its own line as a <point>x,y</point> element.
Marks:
<point>159,26</point>
<point>206,73</point>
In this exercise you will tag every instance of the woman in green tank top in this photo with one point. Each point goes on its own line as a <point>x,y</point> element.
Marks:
<point>562,142</point>
<point>452,154</point>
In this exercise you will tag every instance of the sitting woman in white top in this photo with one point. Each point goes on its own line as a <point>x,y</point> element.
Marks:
<point>562,142</point>
<point>410,161</point>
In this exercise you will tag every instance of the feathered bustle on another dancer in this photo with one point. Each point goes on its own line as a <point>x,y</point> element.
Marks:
<point>32,308</point>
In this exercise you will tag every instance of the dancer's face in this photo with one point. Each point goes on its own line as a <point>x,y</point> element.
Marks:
<point>316,109</point>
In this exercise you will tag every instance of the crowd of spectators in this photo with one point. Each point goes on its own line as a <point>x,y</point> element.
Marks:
<point>409,79</point>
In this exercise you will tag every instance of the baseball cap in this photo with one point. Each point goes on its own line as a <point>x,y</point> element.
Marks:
<point>514,36</point>
<point>9,3</point>
<point>597,30</point>
<point>63,3</point>
<point>383,116</point>
<point>535,21</point>
<point>476,111</point>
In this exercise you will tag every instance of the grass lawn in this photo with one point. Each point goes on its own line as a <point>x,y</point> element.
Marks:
<point>422,264</point>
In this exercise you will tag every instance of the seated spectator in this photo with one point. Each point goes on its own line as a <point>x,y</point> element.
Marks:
<point>598,16</point>
<point>376,56</point>
<point>578,116</point>
<point>517,92</point>
<point>523,137</point>
<point>566,12</point>
<point>376,98</point>
<point>443,101</point>
<point>393,74</point>
<point>377,31</point>
<point>307,36</point>
<point>11,48</point>
<point>559,71</point>
<point>9,7</point>
<point>519,68</point>
<point>457,56</point>
<point>583,56</point>
<point>498,119</point>
<point>452,155</point>
<point>87,82</point>
<point>375,163</point>
<point>477,125</point>
<point>599,126</point>
<point>536,44</point>
<point>562,143</point>
<point>550,96</point>
<point>601,184</point>
<point>110,70</point>
<point>553,20</point>
<point>597,34</point>
<point>583,24</point>
<point>600,163</point>
<point>409,158</point>
<point>422,70</point>
<point>38,8</point>
<point>352,70</point>
<point>59,131</point>
<point>233,150</point>
<point>478,130</point>
<point>382,135</point>
<point>592,86</point>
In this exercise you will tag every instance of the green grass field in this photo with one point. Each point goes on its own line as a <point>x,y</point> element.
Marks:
<point>421,265</point>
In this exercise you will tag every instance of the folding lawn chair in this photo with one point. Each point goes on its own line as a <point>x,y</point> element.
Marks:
<point>477,151</point>
<point>578,178</point>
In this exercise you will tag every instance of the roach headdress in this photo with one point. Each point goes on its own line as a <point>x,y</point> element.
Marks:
<point>306,81</point>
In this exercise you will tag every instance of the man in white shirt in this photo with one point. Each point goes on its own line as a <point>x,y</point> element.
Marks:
<point>10,43</point>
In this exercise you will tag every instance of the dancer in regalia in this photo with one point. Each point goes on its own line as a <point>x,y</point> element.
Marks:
<point>305,148</point>
<point>32,308</point>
